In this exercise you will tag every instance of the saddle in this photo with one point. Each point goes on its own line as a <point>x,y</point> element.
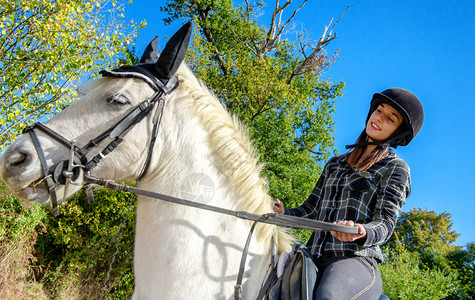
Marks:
<point>294,277</point>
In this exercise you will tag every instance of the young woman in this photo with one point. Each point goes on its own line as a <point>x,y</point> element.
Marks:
<point>365,187</point>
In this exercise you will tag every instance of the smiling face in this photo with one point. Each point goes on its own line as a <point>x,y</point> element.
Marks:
<point>383,122</point>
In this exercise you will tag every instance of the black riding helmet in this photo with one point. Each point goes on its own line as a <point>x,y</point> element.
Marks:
<point>408,106</point>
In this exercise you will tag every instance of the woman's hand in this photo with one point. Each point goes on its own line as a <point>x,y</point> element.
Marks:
<point>279,207</point>
<point>349,237</point>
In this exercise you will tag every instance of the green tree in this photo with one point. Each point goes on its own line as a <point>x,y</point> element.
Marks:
<point>46,49</point>
<point>422,230</point>
<point>462,262</point>
<point>273,85</point>
<point>277,93</point>
<point>405,276</point>
<point>428,250</point>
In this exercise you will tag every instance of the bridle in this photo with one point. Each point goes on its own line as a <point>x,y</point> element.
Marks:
<point>67,172</point>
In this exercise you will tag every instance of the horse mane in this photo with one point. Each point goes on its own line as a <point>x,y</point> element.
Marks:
<point>235,154</point>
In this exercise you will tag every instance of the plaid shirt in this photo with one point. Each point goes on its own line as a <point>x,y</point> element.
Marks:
<point>373,198</point>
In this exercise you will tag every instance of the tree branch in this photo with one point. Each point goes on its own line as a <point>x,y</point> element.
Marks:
<point>307,62</point>
<point>209,37</point>
<point>253,50</point>
<point>281,29</point>
<point>276,29</point>
<point>309,149</point>
<point>324,40</point>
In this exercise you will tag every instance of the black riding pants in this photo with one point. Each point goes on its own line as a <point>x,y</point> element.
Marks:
<point>348,278</point>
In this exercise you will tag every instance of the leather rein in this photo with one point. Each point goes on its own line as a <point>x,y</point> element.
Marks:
<point>66,172</point>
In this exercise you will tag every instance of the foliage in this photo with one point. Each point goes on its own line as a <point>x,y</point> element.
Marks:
<point>290,118</point>
<point>81,241</point>
<point>462,261</point>
<point>405,277</point>
<point>421,249</point>
<point>46,48</point>
<point>68,256</point>
<point>20,224</point>
<point>423,230</point>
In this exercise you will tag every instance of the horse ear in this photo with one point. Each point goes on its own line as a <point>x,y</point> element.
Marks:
<point>150,54</point>
<point>174,53</point>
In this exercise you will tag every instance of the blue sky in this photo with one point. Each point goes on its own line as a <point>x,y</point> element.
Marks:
<point>426,47</point>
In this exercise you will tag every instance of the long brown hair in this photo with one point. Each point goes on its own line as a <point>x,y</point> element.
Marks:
<point>355,156</point>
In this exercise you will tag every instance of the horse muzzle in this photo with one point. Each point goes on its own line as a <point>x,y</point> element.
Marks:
<point>25,176</point>
<point>22,174</point>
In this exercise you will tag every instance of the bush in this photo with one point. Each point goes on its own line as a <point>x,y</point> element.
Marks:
<point>20,224</point>
<point>405,277</point>
<point>69,256</point>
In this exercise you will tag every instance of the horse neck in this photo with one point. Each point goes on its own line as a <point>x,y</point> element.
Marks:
<point>201,143</point>
<point>183,158</point>
<point>201,155</point>
<point>181,249</point>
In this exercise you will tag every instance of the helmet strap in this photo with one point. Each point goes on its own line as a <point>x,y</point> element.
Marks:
<point>391,142</point>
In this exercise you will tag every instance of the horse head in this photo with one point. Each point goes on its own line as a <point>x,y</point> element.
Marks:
<point>76,141</point>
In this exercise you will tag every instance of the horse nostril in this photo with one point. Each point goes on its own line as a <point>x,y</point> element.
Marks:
<point>18,158</point>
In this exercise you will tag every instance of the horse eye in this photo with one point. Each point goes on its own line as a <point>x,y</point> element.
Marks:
<point>118,100</point>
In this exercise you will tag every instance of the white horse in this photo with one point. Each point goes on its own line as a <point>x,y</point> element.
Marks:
<point>201,154</point>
